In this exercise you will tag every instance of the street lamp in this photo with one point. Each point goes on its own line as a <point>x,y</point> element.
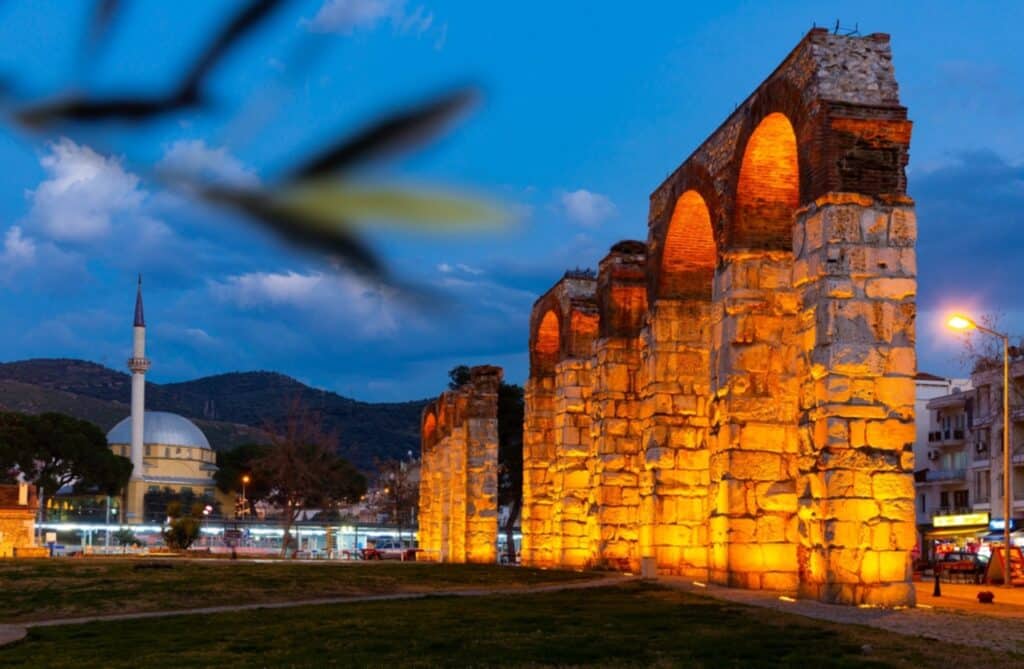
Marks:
<point>964,324</point>
<point>245,502</point>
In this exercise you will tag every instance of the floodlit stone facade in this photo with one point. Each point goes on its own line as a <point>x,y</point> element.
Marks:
<point>18,506</point>
<point>458,514</point>
<point>733,400</point>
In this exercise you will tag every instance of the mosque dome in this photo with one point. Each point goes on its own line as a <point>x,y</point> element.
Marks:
<point>163,428</point>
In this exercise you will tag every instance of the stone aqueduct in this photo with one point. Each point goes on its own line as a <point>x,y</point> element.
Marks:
<point>733,400</point>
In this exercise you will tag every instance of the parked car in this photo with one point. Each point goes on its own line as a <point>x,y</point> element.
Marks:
<point>387,548</point>
<point>961,563</point>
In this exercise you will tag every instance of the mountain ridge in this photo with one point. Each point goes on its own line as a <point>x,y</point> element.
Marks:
<point>232,407</point>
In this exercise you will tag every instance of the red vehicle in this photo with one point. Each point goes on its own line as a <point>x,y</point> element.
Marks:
<point>389,549</point>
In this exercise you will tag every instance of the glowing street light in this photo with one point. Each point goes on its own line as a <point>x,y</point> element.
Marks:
<point>962,323</point>
<point>245,502</point>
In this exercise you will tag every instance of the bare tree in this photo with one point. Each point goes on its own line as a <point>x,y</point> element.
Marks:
<point>304,471</point>
<point>397,491</point>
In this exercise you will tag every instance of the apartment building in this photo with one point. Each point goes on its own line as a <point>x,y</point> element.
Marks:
<point>959,481</point>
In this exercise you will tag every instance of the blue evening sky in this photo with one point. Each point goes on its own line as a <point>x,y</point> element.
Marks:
<point>587,107</point>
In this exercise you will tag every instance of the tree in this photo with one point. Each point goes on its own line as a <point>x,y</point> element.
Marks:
<point>458,377</point>
<point>398,493</point>
<point>241,461</point>
<point>182,528</point>
<point>53,450</point>
<point>303,470</point>
<point>510,458</point>
<point>125,538</point>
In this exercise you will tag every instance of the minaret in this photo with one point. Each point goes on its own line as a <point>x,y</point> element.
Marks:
<point>138,364</point>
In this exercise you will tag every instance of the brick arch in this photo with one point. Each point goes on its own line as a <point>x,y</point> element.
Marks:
<point>692,175</point>
<point>777,99</point>
<point>688,254</point>
<point>546,341</point>
<point>767,186</point>
<point>428,430</point>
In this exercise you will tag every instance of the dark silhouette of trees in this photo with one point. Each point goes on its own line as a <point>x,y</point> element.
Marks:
<point>52,450</point>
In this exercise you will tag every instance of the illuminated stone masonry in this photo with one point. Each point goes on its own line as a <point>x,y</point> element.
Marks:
<point>733,400</point>
<point>18,506</point>
<point>458,515</point>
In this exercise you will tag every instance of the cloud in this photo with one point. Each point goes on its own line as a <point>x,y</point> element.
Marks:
<point>18,249</point>
<point>348,16</point>
<point>82,193</point>
<point>970,213</point>
<point>195,158</point>
<point>324,300</point>
<point>587,208</point>
<point>448,268</point>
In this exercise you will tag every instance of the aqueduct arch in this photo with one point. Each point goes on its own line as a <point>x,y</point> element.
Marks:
<point>743,409</point>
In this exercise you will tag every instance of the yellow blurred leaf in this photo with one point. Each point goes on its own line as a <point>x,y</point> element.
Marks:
<point>353,204</point>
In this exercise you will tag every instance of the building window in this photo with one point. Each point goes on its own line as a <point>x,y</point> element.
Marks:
<point>944,499</point>
<point>982,485</point>
<point>167,452</point>
<point>960,499</point>
<point>923,508</point>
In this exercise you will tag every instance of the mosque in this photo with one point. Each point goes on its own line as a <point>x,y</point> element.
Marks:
<point>167,451</point>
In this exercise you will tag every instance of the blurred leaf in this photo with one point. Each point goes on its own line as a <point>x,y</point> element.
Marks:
<point>325,235</point>
<point>335,201</point>
<point>246,19</point>
<point>389,135</point>
<point>103,14</point>
<point>83,109</point>
<point>140,108</point>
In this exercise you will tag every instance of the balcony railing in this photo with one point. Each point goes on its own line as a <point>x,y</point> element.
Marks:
<point>947,474</point>
<point>946,436</point>
<point>950,510</point>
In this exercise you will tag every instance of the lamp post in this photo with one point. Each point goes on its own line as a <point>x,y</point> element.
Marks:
<point>964,324</point>
<point>245,501</point>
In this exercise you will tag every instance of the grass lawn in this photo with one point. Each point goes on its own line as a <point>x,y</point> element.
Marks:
<point>44,589</point>
<point>635,624</point>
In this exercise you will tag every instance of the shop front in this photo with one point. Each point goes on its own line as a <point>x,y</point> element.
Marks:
<point>957,533</point>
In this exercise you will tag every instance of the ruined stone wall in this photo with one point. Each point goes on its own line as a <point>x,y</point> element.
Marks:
<point>676,393</point>
<point>856,269</point>
<point>459,476</point>
<point>750,390</point>
<point>18,506</point>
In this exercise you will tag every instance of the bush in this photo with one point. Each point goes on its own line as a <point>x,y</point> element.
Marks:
<point>182,529</point>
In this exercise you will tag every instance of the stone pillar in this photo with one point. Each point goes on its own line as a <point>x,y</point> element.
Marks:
<point>856,270</point>
<point>676,392</point>
<point>617,427</point>
<point>482,466</point>
<point>754,455</point>
<point>572,474</point>
<point>538,479</point>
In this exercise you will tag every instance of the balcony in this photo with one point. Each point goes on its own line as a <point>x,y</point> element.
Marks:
<point>950,511</point>
<point>937,475</point>
<point>946,437</point>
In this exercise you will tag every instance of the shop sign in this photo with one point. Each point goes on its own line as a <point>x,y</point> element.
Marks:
<point>961,520</point>
<point>997,525</point>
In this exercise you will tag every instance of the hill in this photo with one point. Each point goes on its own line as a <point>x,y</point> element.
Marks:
<point>230,408</point>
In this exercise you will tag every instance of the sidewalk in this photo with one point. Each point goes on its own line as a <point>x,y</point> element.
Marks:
<point>953,618</point>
